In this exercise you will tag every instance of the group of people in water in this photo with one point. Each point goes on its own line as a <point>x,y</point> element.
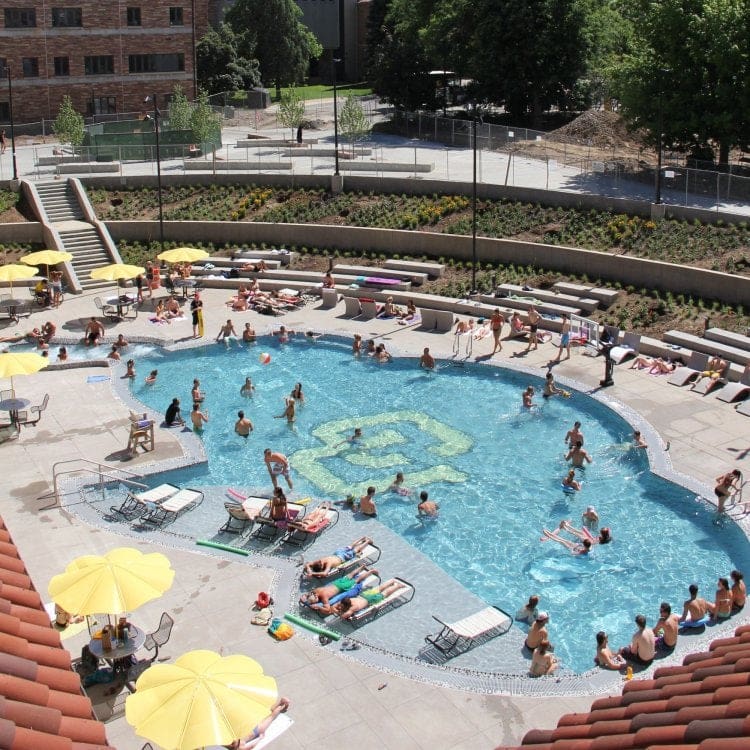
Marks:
<point>647,642</point>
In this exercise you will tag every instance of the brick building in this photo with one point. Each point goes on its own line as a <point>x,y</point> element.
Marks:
<point>107,55</point>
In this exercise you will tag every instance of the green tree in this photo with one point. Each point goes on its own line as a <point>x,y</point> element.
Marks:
<point>220,65</point>
<point>69,125</point>
<point>291,112</point>
<point>689,68</point>
<point>352,120</point>
<point>272,32</point>
<point>180,110</point>
<point>204,122</point>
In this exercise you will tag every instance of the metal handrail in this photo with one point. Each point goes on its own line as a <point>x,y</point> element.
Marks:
<point>56,474</point>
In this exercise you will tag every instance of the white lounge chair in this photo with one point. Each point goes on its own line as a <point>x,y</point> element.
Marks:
<point>428,318</point>
<point>352,307</point>
<point>443,320</point>
<point>744,408</point>
<point>300,533</point>
<point>695,366</point>
<point>137,503</point>
<point>458,635</point>
<point>169,509</point>
<point>330,298</point>
<point>403,594</point>
<point>628,348</point>
<point>369,309</point>
<point>732,391</point>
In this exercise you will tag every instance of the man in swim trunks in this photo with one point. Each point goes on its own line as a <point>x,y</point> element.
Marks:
<point>259,731</point>
<point>496,324</point>
<point>94,332</point>
<point>227,333</point>
<point>537,631</point>
<point>642,648</point>
<point>367,598</point>
<point>323,566</point>
<point>668,625</point>
<point>694,608</point>
<point>564,339</point>
<point>277,465</point>
<point>426,506</point>
<point>739,592</point>
<point>533,317</point>
<point>322,598</point>
<point>427,360</point>
<point>577,455</point>
<point>574,435</point>
<point>243,426</point>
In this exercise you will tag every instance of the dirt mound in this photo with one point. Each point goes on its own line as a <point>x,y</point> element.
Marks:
<point>598,128</point>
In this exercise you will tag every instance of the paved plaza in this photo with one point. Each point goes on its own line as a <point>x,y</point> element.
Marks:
<point>336,698</point>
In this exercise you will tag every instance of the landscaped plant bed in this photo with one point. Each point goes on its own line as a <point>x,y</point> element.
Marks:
<point>642,310</point>
<point>9,213</point>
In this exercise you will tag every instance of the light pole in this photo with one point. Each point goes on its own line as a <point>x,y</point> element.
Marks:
<point>662,72</point>
<point>157,115</point>
<point>12,128</point>
<point>335,60</point>
<point>474,206</point>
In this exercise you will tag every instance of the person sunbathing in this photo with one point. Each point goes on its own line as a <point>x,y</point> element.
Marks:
<point>243,292</point>
<point>260,729</point>
<point>324,566</point>
<point>577,549</point>
<point>315,517</point>
<point>389,309</point>
<point>160,314</point>
<point>517,327</point>
<point>582,534</point>
<point>239,303</point>
<point>714,369</point>
<point>349,607</point>
<point>410,313</point>
<point>322,598</point>
<point>172,308</point>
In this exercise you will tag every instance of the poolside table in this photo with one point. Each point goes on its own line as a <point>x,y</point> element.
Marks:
<point>186,285</point>
<point>123,303</point>
<point>10,307</point>
<point>121,650</point>
<point>13,406</point>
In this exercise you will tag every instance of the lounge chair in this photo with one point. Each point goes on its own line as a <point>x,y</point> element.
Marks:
<point>269,528</point>
<point>352,307</point>
<point>628,348</point>
<point>242,517</point>
<point>278,726</point>
<point>369,309</point>
<point>443,320</point>
<point>428,318</point>
<point>371,580</point>
<point>369,555</point>
<point>706,384</point>
<point>732,391</point>
<point>299,533</point>
<point>689,372</point>
<point>168,510</point>
<point>137,503</point>
<point>744,408</point>
<point>402,595</point>
<point>330,298</point>
<point>461,634</point>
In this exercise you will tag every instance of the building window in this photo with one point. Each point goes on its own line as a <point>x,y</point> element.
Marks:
<point>175,17</point>
<point>62,66</point>
<point>170,63</point>
<point>20,18</point>
<point>3,66</point>
<point>103,105</point>
<point>99,65</point>
<point>134,16</point>
<point>30,67</point>
<point>63,17</point>
<point>4,112</point>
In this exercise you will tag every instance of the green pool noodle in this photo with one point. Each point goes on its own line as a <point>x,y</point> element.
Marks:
<point>303,623</point>
<point>226,547</point>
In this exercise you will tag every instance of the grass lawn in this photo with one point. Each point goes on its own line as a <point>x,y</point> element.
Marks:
<point>324,91</point>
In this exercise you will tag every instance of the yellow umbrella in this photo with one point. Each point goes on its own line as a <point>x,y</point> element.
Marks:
<point>201,699</point>
<point>116,271</point>
<point>183,255</point>
<point>120,581</point>
<point>46,257</point>
<point>15,272</point>
<point>12,364</point>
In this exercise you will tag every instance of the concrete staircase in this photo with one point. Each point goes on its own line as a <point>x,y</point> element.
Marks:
<point>88,253</point>
<point>59,202</point>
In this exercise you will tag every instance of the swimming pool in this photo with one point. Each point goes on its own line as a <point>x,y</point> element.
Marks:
<point>461,434</point>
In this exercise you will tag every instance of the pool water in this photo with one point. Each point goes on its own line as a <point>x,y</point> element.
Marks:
<point>461,434</point>
<point>79,352</point>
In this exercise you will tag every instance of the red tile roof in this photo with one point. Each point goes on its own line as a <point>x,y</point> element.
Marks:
<point>704,704</point>
<point>42,706</point>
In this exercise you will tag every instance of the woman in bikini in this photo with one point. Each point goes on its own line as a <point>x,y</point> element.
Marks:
<point>259,731</point>
<point>721,609</point>
<point>726,485</point>
<point>739,592</point>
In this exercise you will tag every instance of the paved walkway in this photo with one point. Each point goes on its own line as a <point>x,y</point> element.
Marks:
<point>336,700</point>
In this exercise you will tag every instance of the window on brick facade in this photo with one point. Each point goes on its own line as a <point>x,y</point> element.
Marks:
<point>175,16</point>
<point>103,105</point>
<point>99,65</point>
<point>4,112</point>
<point>62,17</point>
<point>134,16</point>
<point>169,63</point>
<point>3,66</point>
<point>30,67</point>
<point>62,66</point>
<point>20,18</point>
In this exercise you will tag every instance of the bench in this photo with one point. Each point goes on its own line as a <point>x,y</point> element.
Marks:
<point>416,278</point>
<point>728,337</point>
<point>525,304</point>
<point>286,257</point>
<point>605,296</point>
<point>87,167</point>
<point>199,165</point>
<point>271,143</point>
<point>433,270</point>
<point>229,263</point>
<point>51,161</point>
<point>329,152</point>
<point>707,346</point>
<point>557,298</point>
<point>380,166</point>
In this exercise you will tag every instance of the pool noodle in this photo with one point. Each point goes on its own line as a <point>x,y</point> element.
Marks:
<point>303,623</point>
<point>226,547</point>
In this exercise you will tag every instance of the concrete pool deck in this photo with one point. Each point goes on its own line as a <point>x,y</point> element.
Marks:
<point>212,595</point>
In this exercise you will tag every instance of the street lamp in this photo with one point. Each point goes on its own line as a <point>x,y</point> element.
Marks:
<point>662,72</point>
<point>157,115</point>
<point>12,129</point>
<point>335,60</point>
<point>474,207</point>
